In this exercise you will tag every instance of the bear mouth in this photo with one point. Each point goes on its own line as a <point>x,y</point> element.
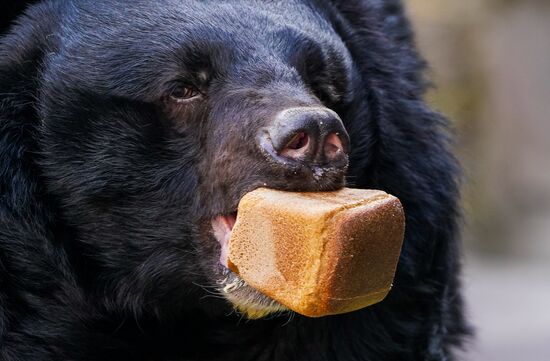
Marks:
<point>245,299</point>
<point>222,226</point>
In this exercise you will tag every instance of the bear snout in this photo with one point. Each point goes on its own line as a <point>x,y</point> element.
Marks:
<point>310,136</point>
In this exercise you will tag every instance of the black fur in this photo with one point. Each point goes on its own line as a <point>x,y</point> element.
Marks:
<point>107,185</point>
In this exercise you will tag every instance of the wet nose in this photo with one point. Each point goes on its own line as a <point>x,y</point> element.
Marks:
<point>308,135</point>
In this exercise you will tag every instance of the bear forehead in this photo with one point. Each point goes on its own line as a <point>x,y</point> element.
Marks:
<point>204,20</point>
<point>99,47</point>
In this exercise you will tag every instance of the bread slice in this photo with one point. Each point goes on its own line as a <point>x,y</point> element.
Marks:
<point>318,253</point>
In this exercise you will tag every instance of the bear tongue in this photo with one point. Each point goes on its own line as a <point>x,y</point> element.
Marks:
<point>222,226</point>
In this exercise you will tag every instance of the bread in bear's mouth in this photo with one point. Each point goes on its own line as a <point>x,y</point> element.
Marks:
<point>318,253</point>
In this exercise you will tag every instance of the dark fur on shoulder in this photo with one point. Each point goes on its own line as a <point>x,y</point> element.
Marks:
<point>108,180</point>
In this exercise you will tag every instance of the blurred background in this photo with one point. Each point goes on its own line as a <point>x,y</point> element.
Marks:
<point>490,63</point>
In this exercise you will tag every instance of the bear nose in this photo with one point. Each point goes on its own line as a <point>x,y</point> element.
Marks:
<point>308,135</point>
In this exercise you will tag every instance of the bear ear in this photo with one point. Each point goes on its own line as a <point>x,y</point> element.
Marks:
<point>21,57</point>
<point>10,11</point>
<point>395,22</point>
<point>389,15</point>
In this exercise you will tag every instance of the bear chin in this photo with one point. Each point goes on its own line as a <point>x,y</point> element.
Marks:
<point>244,299</point>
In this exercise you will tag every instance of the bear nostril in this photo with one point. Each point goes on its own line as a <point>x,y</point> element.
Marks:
<point>300,140</point>
<point>297,146</point>
<point>333,147</point>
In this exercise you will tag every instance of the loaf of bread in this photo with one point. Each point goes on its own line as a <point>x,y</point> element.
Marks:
<point>318,253</point>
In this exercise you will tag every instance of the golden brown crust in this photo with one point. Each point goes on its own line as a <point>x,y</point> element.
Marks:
<point>318,253</point>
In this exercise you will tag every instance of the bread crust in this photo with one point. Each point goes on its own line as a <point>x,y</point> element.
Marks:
<point>318,253</point>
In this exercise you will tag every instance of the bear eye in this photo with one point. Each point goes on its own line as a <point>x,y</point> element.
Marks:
<point>184,93</point>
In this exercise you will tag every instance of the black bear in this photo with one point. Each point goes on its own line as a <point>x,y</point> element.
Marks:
<point>126,127</point>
